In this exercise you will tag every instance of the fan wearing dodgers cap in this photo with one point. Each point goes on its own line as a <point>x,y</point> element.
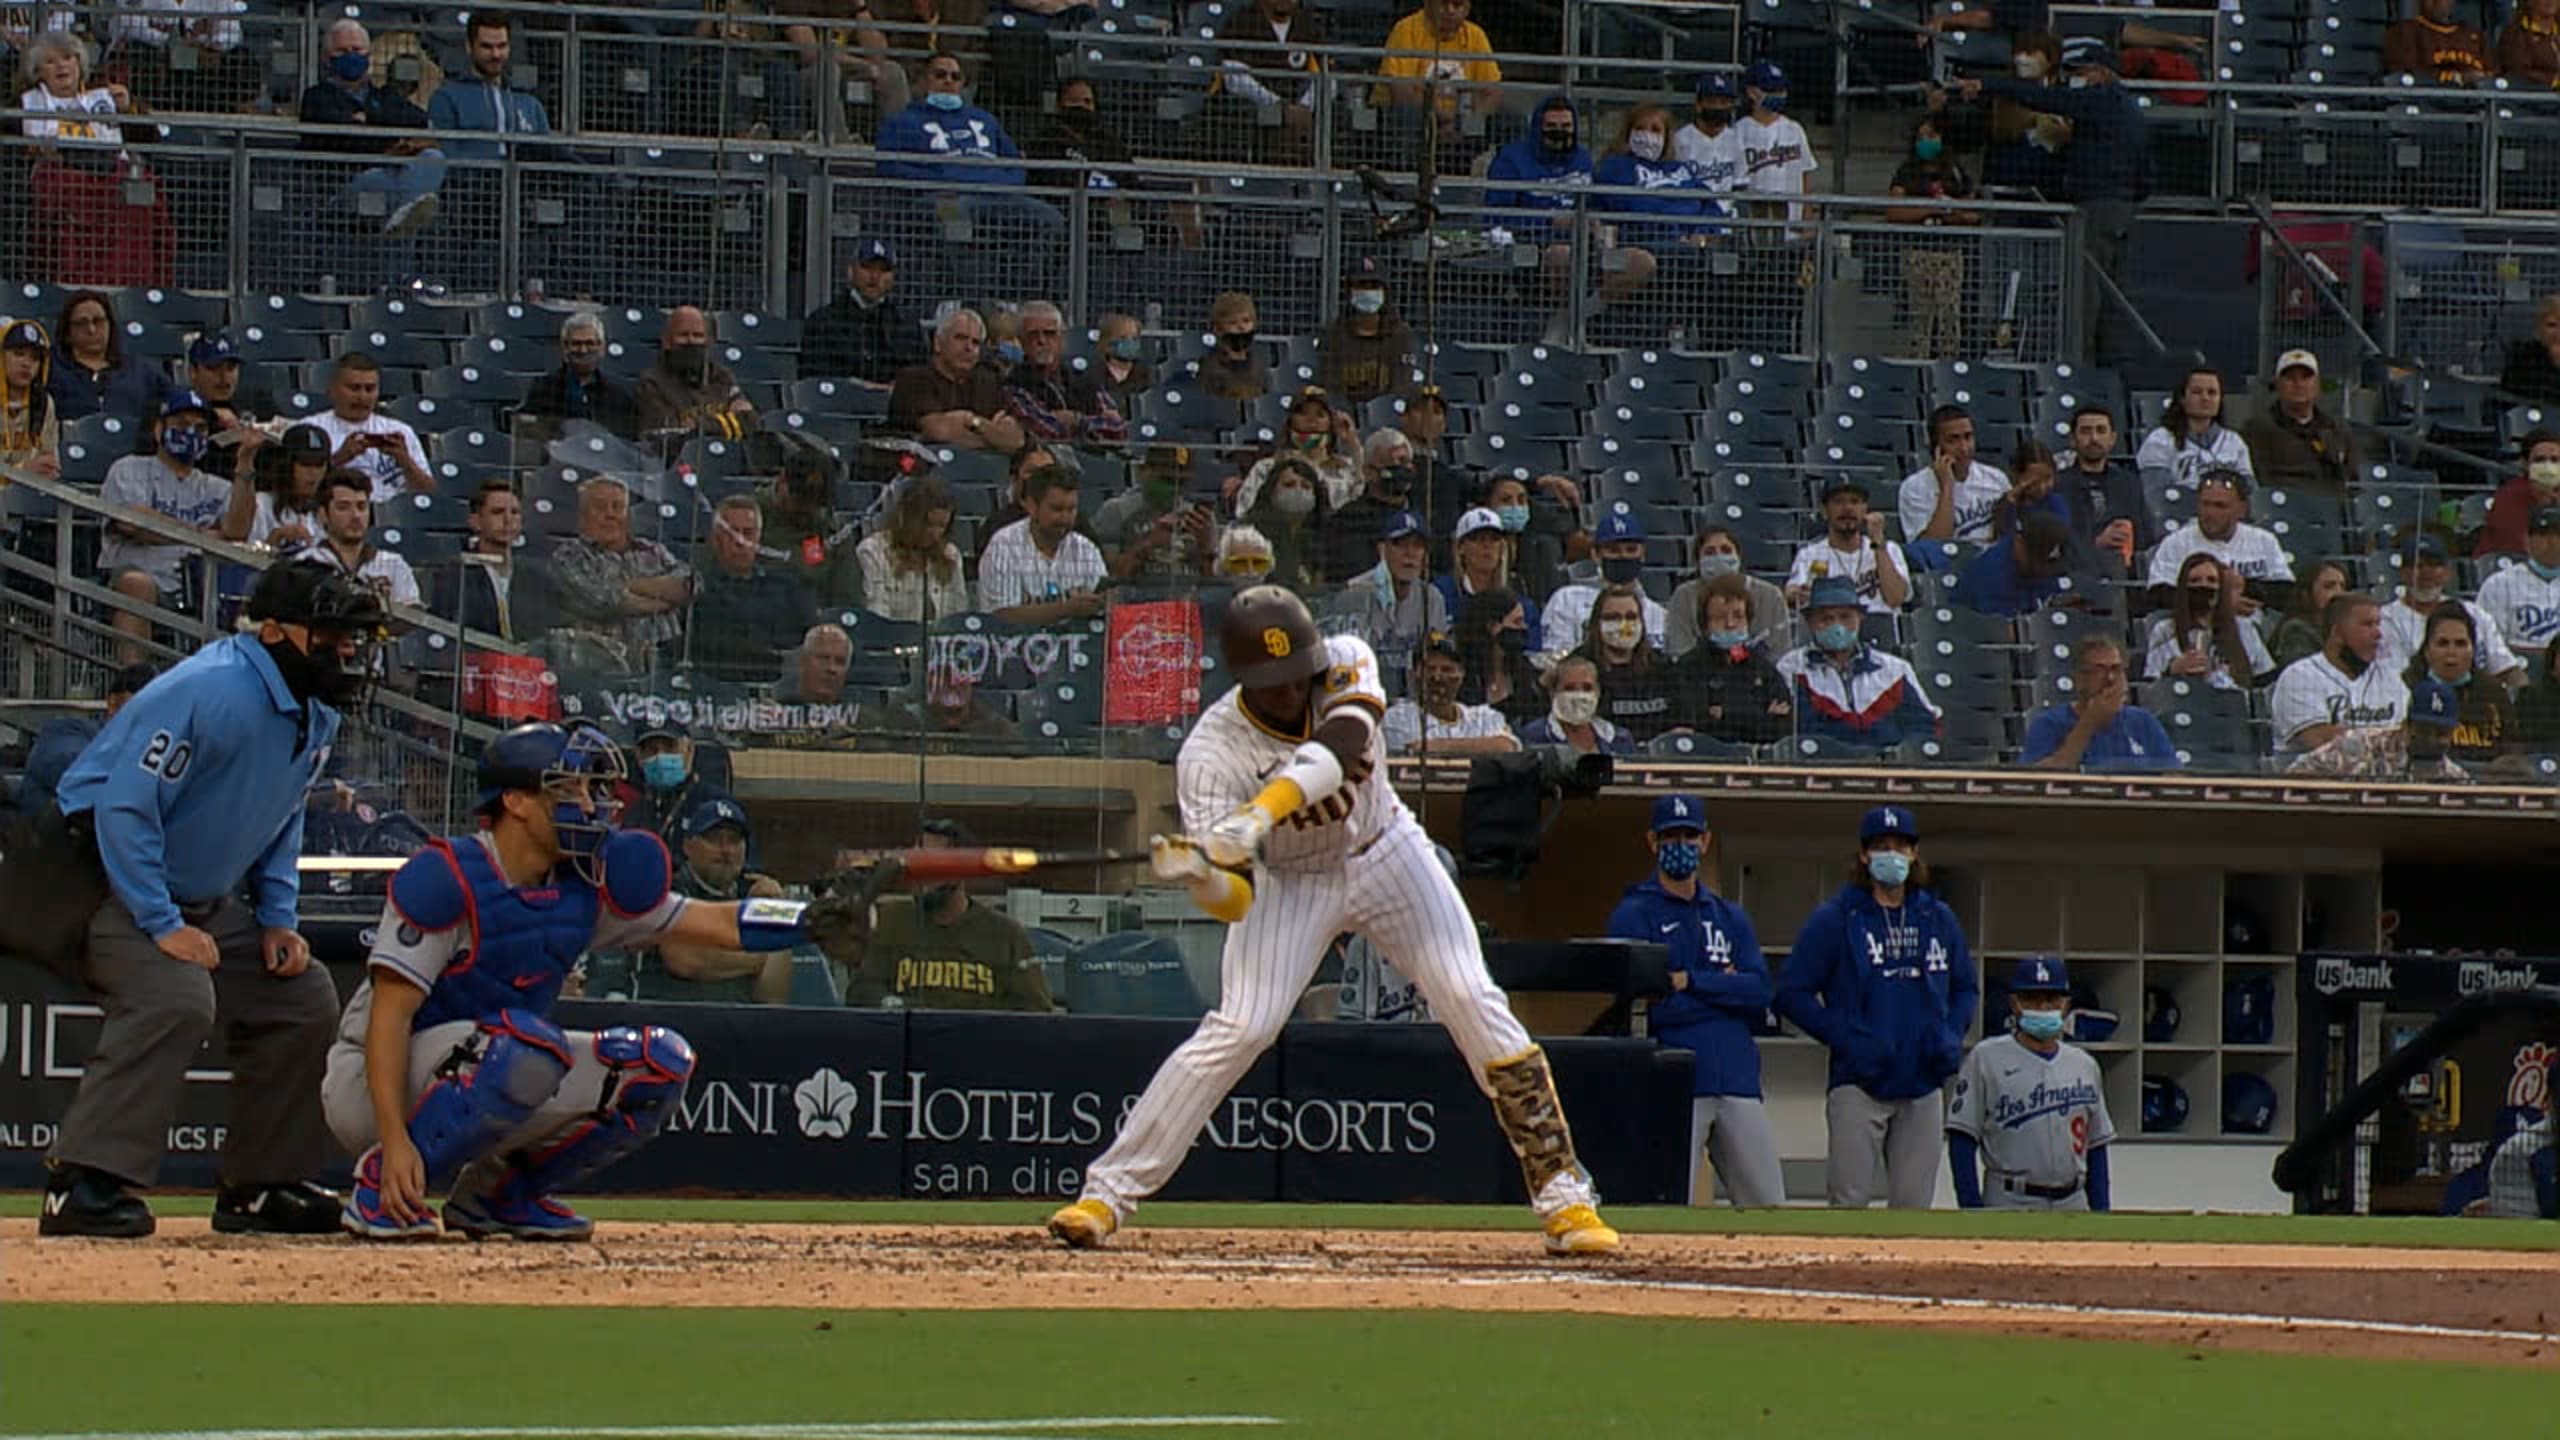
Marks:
<point>169,484</point>
<point>2027,1123</point>
<point>1882,976</point>
<point>712,839</point>
<point>213,371</point>
<point>1776,156</point>
<point>1482,550</point>
<point>2523,600</point>
<point>1719,991</point>
<point>1708,144</point>
<point>2294,444</point>
<point>2426,579</point>
<point>1617,542</point>
<point>1390,605</point>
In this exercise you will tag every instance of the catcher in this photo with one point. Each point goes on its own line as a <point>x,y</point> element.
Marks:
<point>447,1074</point>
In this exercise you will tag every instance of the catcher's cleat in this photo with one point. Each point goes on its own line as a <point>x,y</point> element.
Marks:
<point>1579,1230</point>
<point>1084,1225</point>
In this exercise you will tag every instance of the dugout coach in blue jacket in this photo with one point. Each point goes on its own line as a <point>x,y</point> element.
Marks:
<point>1882,977</point>
<point>188,807</point>
<point>1719,990</point>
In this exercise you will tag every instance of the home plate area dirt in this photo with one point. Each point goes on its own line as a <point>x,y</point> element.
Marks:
<point>2433,1304</point>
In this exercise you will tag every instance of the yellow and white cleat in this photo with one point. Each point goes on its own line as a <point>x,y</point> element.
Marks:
<point>1087,1223</point>
<point>1574,1230</point>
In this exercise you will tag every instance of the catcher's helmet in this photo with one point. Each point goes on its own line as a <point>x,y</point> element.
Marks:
<point>1270,639</point>
<point>530,757</point>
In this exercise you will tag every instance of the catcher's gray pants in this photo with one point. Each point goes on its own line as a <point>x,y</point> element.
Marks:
<point>158,1013</point>
<point>350,1106</point>
<point>1903,1136</point>
<point>1733,1130</point>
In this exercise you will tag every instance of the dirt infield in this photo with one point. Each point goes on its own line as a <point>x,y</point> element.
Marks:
<point>2450,1305</point>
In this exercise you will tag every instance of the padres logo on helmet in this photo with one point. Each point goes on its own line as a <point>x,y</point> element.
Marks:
<point>1270,639</point>
<point>1275,643</point>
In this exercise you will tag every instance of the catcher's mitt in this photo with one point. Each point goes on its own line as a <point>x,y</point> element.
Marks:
<point>840,919</point>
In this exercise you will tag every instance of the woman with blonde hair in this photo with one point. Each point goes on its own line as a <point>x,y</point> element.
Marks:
<point>910,568</point>
<point>89,227</point>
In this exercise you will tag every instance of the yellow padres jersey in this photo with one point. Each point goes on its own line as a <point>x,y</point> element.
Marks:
<point>1231,754</point>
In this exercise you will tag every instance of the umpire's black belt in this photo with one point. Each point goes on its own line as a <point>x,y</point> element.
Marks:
<point>2041,1192</point>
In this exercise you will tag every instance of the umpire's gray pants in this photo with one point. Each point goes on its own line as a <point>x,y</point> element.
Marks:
<point>158,1013</point>
<point>1733,1131</point>
<point>1905,1137</point>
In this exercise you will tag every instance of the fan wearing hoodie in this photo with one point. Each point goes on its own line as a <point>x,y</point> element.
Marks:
<point>1881,975</point>
<point>1719,991</point>
<point>1552,156</point>
<point>30,436</point>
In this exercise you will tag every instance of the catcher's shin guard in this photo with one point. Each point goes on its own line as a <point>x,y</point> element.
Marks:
<point>650,1065</point>
<point>487,1089</point>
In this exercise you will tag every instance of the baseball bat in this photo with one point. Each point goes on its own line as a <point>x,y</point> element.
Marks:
<point>925,865</point>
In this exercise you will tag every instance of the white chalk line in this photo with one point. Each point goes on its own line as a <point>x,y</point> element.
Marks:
<point>1024,1429</point>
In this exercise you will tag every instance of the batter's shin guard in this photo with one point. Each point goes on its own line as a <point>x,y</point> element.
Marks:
<point>485,1091</point>
<point>650,1065</point>
<point>1532,1118</point>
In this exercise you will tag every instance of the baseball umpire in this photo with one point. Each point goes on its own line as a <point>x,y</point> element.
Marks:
<point>175,835</point>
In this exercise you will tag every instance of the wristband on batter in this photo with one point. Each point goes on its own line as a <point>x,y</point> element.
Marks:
<point>766,925</point>
<point>1223,895</point>
<point>1313,770</point>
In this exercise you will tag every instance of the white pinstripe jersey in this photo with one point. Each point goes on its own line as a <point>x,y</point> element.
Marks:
<point>1231,755</point>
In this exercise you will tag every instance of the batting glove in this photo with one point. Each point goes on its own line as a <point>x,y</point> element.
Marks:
<point>1175,857</point>
<point>1233,843</point>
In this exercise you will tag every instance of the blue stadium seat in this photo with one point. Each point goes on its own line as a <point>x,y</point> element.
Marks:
<point>189,311</point>
<point>756,328</point>
<point>289,312</point>
<point>1879,375</point>
<point>1640,422</point>
<point>514,320</point>
<point>1774,489</point>
<point>112,436</point>
<point>1687,367</point>
<point>1853,439</point>
<point>507,355</point>
<point>400,315</point>
<point>839,397</point>
<point>262,343</point>
<point>476,445</point>
<point>1749,394</point>
<point>445,509</point>
<point>1555,363</point>
<point>2311,526</point>
<point>2384,509</point>
<point>424,413</point>
<point>1790,372</point>
<point>1526,421</point>
<point>1184,413</point>
<point>833,430</point>
<point>464,385</point>
<point>1501,455</point>
<point>155,339</point>
<point>1759,428</point>
<point>1530,387</point>
<point>1638,390</point>
<point>1869,402</point>
<point>1824,750</point>
<point>1688,745</point>
<point>757,362</point>
<point>1963,382</point>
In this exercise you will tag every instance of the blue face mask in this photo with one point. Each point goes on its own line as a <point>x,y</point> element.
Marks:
<point>1889,867</point>
<point>1728,639</point>
<point>1125,348</point>
<point>2040,1024</point>
<point>351,66</point>
<point>1009,351</point>
<point>945,100</point>
<point>1678,858</point>
<point>663,772</point>
<point>184,446</point>
<point>1834,637</point>
<point>1774,104</point>
<point>1514,518</point>
<point>2542,571</point>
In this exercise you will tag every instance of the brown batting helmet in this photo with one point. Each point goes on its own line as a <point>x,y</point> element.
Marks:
<point>1270,639</point>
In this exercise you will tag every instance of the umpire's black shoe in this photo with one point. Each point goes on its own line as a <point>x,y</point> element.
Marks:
<point>82,1201</point>
<point>301,1208</point>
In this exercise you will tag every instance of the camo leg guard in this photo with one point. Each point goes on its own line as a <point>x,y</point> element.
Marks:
<point>1532,1119</point>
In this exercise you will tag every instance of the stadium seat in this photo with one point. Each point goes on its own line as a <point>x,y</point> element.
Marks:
<point>507,355</point>
<point>1680,366</point>
<point>1754,428</point>
<point>1748,394</point>
<point>476,445</point>
<point>1499,454</point>
<point>1688,745</point>
<point>156,339</point>
<point>298,313</point>
<point>423,413</point>
<point>261,343</point>
<point>1778,490</point>
<point>187,311</point>
<point>1523,421</point>
<point>1963,382</point>
<point>1639,421</point>
<point>513,320</point>
<point>443,509</point>
<point>398,315</point>
<point>1823,750</point>
<point>1555,363</point>
<point>1768,537</point>
<point>1879,375</point>
<point>756,328</point>
<point>1790,372</point>
<point>465,385</point>
<point>1638,390</point>
<point>839,397</point>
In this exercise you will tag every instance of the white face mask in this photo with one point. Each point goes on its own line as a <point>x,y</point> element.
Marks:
<point>1645,145</point>
<point>2545,474</point>
<point>1621,633</point>
<point>1293,502</point>
<point>1576,707</point>
<point>1368,302</point>
<point>2030,67</point>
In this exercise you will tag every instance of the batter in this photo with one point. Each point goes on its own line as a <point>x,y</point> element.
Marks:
<point>2032,1106</point>
<point>1301,839</point>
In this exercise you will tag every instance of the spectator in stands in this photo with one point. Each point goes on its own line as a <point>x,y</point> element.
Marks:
<point>712,866</point>
<point>2344,687</point>
<point>488,103</point>
<point>346,546</point>
<point>910,568</point>
<point>867,333</point>
<point>1234,368</point>
<point>2426,581</point>
<point>138,564</point>
<point>1552,157</point>
<point>1957,497</point>
<point>1719,553</point>
<point>2100,728</point>
<point>686,391</point>
<point>2293,443</point>
<point>848,64</point>
<point>2107,166</point>
<point>1618,545</point>
<point>2304,630</point>
<point>1244,554</point>
<point>2529,46</point>
<point>2433,48</point>
<point>479,589</point>
<point>1492,637</point>
<point>1003,349</point>
<point>1676,209</point>
<point>2191,438</point>
<point>1933,269</point>
<point>2486,729</point>
<point>1728,686</point>
<point>2021,573</point>
<point>1534,529</point>
<point>186,54</point>
<point>1271,70</point>
<point>1150,531</point>
<point>627,591</point>
<point>1438,62</point>
<point>1074,131</point>
<point>1038,570</point>
<point>1351,535</point>
<point>2523,600</point>
<point>1635,680</point>
<point>382,449</point>
<point>745,613</point>
<point>1846,689</point>
<point>2203,637</point>
<point>62,739</point>
<point>1120,365</point>
<point>1482,553</point>
<point>801,527</point>
<point>2531,374</point>
<point>1368,350</point>
<point>30,433</point>
<point>2413,748</point>
<point>1853,548</point>
<point>91,374</point>
<point>2221,529</point>
<point>2034,486</point>
<point>580,389</point>
<point>943,951</point>
<point>2102,492</point>
<point>818,669</point>
<point>1327,440</point>
<point>966,143</point>
<point>2522,496</point>
<point>275,499</point>
<point>408,186</point>
<point>213,371</point>
<point>954,716</point>
<point>88,228</point>
<point>948,399</point>
<point>1435,711</point>
<point>1708,144</point>
<point>666,783</point>
<point>1389,605</point>
<point>1573,716</point>
<point>1052,402</point>
<point>2538,708</point>
<point>1294,514</point>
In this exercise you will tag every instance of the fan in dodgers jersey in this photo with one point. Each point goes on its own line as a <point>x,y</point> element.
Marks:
<point>1300,839</point>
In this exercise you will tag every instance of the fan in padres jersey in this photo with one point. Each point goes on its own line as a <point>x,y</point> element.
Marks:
<point>1302,839</point>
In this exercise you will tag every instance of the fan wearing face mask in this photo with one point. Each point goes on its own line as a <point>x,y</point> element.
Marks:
<point>1719,553</point>
<point>2535,484</point>
<point>1708,144</point>
<point>2523,600</point>
<point>2028,1127</point>
<point>1674,214</point>
<point>1368,350</point>
<point>1234,368</point>
<point>140,565</point>
<point>1633,675</point>
<point>1294,517</point>
<point>1728,686</point>
<point>349,96</point>
<point>687,390</point>
<point>1847,690</point>
<point>1777,158</point>
<point>2426,581</point>
<point>1573,717</point>
<point>1618,544</point>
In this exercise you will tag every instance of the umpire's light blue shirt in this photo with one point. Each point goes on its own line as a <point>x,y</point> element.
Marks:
<point>197,786</point>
